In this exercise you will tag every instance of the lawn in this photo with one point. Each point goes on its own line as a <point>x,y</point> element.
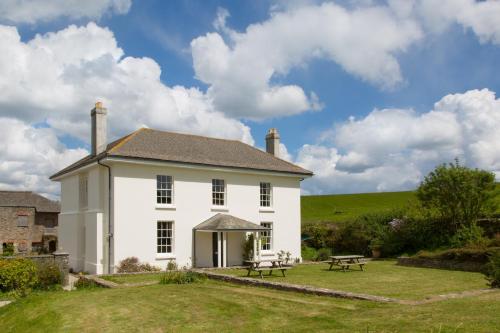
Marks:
<point>342,207</point>
<point>132,278</point>
<point>382,278</point>
<point>221,307</point>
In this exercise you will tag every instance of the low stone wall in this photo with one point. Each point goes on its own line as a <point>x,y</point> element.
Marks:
<point>60,259</point>
<point>468,266</point>
<point>294,287</point>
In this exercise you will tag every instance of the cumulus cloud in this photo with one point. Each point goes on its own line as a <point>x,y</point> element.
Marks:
<point>32,11</point>
<point>29,154</point>
<point>392,149</point>
<point>58,76</point>
<point>243,69</point>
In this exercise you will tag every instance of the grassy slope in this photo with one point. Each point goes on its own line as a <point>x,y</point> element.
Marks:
<point>341,207</point>
<point>220,307</point>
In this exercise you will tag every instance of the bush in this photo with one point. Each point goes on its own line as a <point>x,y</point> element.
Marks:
<point>132,265</point>
<point>309,253</point>
<point>49,276</point>
<point>323,254</point>
<point>468,236</point>
<point>8,249</point>
<point>492,269</point>
<point>18,276</point>
<point>180,277</point>
<point>171,265</point>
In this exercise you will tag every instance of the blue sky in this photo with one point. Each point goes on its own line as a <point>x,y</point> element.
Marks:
<point>450,51</point>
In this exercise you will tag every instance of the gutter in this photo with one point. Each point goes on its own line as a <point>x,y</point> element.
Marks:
<point>110,228</point>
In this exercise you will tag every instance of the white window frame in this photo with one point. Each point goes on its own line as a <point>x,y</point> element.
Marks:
<point>83,191</point>
<point>267,237</point>
<point>166,189</point>
<point>162,236</point>
<point>265,197</point>
<point>218,202</point>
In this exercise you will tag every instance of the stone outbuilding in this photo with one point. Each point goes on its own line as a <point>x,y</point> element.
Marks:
<point>28,222</point>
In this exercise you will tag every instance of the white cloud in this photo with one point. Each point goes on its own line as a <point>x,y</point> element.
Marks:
<point>58,76</point>
<point>392,149</point>
<point>29,155</point>
<point>243,71</point>
<point>32,11</point>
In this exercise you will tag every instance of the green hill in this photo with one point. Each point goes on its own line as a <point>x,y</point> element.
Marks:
<point>342,207</point>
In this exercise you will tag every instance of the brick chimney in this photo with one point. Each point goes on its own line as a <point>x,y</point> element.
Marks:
<point>99,134</point>
<point>273,142</point>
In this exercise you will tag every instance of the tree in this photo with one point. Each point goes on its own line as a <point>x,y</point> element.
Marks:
<point>459,194</point>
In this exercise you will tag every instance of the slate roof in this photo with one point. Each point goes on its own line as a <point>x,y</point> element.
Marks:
<point>28,199</point>
<point>149,144</point>
<point>226,222</point>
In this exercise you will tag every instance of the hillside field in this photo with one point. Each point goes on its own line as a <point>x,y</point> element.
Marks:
<point>342,207</point>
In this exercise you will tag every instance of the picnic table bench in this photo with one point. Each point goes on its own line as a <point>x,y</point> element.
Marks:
<point>345,262</point>
<point>276,264</point>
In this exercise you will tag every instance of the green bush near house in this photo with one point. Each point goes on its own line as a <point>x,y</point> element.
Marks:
<point>475,254</point>
<point>492,269</point>
<point>132,265</point>
<point>17,276</point>
<point>181,277</point>
<point>49,276</point>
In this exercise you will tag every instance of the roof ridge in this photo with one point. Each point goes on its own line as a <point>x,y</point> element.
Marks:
<point>126,139</point>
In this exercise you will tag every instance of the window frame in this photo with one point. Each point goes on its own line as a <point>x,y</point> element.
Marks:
<point>262,196</point>
<point>216,202</point>
<point>269,238</point>
<point>26,222</point>
<point>166,190</point>
<point>160,236</point>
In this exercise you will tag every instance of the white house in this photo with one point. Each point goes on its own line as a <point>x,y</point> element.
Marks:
<point>163,196</point>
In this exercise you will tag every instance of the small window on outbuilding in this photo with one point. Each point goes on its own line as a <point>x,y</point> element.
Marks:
<point>22,221</point>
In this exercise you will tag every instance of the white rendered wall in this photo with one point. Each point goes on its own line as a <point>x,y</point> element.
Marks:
<point>135,212</point>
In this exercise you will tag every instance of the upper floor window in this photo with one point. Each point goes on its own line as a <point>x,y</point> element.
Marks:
<point>164,187</point>
<point>218,192</point>
<point>265,194</point>
<point>22,221</point>
<point>266,237</point>
<point>164,237</point>
<point>84,191</point>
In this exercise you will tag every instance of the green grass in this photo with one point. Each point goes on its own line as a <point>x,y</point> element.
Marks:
<point>382,278</point>
<point>342,207</point>
<point>221,307</point>
<point>133,278</point>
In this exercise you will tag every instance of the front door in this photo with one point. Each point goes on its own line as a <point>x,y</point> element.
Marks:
<point>215,249</point>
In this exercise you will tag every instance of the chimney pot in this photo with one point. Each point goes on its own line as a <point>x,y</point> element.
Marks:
<point>273,142</point>
<point>99,129</point>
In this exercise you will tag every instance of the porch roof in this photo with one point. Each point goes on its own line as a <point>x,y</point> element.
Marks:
<point>226,222</point>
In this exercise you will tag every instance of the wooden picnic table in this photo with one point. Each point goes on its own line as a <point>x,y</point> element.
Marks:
<point>255,266</point>
<point>345,262</point>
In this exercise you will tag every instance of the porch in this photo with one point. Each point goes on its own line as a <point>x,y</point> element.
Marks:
<point>218,241</point>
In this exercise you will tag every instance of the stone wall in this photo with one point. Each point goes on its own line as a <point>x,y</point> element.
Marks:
<point>468,266</point>
<point>60,259</point>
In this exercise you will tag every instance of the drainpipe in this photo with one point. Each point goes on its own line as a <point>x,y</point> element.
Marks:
<point>110,229</point>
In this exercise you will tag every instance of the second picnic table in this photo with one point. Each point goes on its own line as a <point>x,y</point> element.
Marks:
<point>346,261</point>
<point>276,264</point>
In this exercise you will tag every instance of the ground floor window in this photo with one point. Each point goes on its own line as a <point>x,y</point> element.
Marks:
<point>164,237</point>
<point>266,237</point>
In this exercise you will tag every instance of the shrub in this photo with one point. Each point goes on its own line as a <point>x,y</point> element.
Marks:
<point>468,236</point>
<point>49,276</point>
<point>8,249</point>
<point>180,277</point>
<point>247,247</point>
<point>309,253</point>
<point>480,255</point>
<point>18,276</point>
<point>132,265</point>
<point>171,265</point>
<point>492,269</point>
<point>323,254</point>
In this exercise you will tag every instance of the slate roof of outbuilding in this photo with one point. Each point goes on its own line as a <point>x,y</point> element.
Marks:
<point>226,222</point>
<point>149,144</point>
<point>28,199</point>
